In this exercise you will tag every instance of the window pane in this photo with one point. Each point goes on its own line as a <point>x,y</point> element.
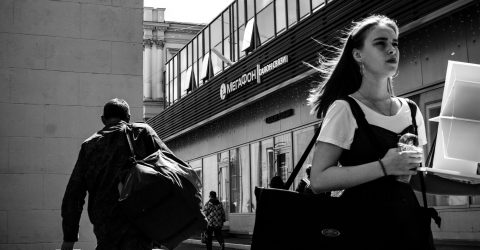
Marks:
<point>210,176</point>
<point>216,61</point>
<point>250,9</point>
<point>281,15</point>
<point>197,166</point>
<point>283,156</point>
<point>183,59</point>
<point>200,45</point>
<point>189,54</point>
<point>241,32</point>
<point>256,174</point>
<point>184,83</point>
<point>234,34</point>
<point>317,4</point>
<point>175,67</point>
<point>195,72</point>
<point>262,3</point>
<point>292,12</point>
<point>223,162</point>
<point>216,31</point>
<point>195,49</point>
<point>267,162</point>
<point>241,12</point>
<point>240,180</point>
<point>265,24</point>
<point>226,24</point>
<point>304,6</point>
<point>226,50</point>
<point>200,63</point>
<point>301,138</point>
<point>235,182</point>
<point>244,161</point>
<point>206,44</point>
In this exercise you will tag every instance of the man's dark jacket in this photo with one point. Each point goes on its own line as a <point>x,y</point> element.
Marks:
<point>103,161</point>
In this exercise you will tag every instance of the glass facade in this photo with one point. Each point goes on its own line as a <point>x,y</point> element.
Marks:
<point>234,173</point>
<point>225,36</point>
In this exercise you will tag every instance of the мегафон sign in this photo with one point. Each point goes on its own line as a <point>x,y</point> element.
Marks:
<point>256,74</point>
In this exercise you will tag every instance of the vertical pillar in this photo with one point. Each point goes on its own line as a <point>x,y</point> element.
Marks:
<point>154,70</point>
<point>147,69</point>
<point>157,89</point>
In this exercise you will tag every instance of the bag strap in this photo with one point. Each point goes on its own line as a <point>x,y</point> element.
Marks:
<point>299,165</point>
<point>130,144</point>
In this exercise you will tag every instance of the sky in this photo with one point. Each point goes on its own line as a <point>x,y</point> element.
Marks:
<point>190,11</point>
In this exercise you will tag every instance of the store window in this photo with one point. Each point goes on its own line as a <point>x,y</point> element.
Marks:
<point>266,162</point>
<point>210,176</point>
<point>256,171</point>
<point>197,167</point>
<point>282,158</point>
<point>240,180</point>
<point>301,139</point>
<point>223,162</point>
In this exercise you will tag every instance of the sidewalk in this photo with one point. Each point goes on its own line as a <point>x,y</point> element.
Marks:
<point>231,242</point>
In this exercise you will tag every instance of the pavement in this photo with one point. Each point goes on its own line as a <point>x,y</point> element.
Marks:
<point>231,242</point>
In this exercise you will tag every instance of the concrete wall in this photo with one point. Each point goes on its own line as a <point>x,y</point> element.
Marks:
<point>60,61</point>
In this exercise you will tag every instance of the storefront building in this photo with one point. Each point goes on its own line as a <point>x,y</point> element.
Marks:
<point>237,92</point>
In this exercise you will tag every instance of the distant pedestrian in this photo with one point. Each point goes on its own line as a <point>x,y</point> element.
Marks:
<point>277,182</point>
<point>216,217</point>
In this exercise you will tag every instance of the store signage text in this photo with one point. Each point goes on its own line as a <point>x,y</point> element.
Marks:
<point>254,75</point>
<point>279,116</point>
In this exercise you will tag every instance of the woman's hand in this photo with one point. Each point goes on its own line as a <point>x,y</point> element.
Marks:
<point>402,163</point>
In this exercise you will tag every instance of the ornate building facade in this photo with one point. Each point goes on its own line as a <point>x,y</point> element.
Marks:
<point>161,41</point>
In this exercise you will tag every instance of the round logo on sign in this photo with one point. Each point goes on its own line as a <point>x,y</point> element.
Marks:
<point>223,91</point>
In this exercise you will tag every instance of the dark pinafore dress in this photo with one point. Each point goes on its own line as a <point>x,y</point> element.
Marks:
<point>393,218</point>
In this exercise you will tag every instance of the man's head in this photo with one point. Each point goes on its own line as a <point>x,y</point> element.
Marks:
<point>114,110</point>
<point>213,194</point>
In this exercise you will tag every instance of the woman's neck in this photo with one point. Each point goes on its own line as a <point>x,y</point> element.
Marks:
<point>374,89</point>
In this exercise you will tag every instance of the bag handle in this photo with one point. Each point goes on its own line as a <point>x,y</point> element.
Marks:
<point>302,159</point>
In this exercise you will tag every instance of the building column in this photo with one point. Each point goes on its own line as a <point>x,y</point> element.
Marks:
<point>158,81</point>
<point>147,69</point>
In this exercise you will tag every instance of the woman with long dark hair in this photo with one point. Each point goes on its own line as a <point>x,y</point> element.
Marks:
<point>356,150</point>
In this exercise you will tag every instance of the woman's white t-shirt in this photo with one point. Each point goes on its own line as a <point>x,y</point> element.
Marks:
<point>338,127</point>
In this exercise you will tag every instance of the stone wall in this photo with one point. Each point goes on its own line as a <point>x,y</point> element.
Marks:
<point>60,61</point>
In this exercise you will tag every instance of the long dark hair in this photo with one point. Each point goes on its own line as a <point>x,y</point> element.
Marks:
<point>341,74</point>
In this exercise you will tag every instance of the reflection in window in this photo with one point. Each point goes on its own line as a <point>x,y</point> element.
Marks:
<point>281,15</point>
<point>223,161</point>
<point>282,164</point>
<point>210,172</point>
<point>301,139</point>
<point>238,45</point>
<point>183,59</point>
<point>240,180</point>
<point>226,50</point>
<point>256,171</point>
<point>226,24</point>
<point>265,24</point>
<point>200,46</point>
<point>175,89</point>
<point>244,161</point>
<point>183,83</point>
